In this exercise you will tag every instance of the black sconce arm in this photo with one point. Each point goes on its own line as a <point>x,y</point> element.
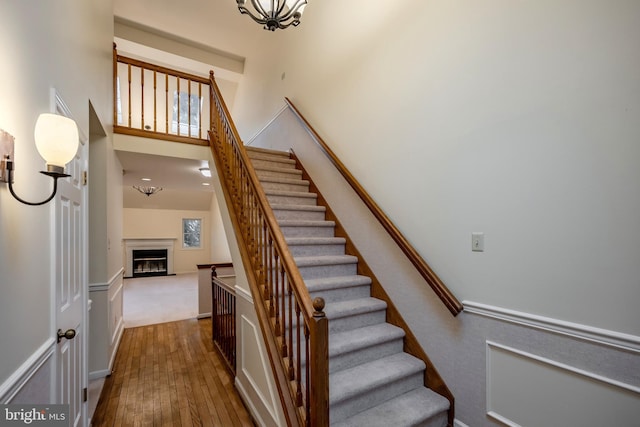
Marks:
<point>54,175</point>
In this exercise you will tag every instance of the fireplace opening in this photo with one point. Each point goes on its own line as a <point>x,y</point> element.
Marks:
<point>149,262</point>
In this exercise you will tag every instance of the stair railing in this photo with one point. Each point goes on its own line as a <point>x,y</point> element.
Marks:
<point>223,320</point>
<point>440,289</point>
<point>156,102</point>
<point>294,327</point>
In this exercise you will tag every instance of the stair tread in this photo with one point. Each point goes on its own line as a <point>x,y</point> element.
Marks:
<point>290,193</point>
<point>293,241</point>
<point>313,208</point>
<point>267,151</point>
<point>305,223</point>
<point>276,180</point>
<point>324,283</point>
<point>339,309</point>
<point>278,169</point>
<point>316,260</point>
<point>355,339</point>
<point>408,409</point>
<point>351,382</point>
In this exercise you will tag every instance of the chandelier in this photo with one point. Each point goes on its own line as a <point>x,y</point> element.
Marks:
<point>147,190</point>
<point>274,13</point>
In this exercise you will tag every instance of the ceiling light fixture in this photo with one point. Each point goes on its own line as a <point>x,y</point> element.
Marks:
<point>274,14</point>
<point>147,190</point>
<point>57,142</point>
<point>206,172</point>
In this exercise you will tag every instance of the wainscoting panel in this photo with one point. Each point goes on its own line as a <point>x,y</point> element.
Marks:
<point>253,373</point>
<point>32,381</point>
<point>524,389</point>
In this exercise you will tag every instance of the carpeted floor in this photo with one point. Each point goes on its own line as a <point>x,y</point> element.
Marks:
<point>151,300</point>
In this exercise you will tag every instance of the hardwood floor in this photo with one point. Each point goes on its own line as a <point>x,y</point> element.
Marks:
<point>170,375</point>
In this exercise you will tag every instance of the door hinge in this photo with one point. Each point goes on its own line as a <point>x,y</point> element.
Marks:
<point>85,177</point>
<point>85,396</point>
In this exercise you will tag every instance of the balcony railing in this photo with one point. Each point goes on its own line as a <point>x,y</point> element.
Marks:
<point>157,102</point>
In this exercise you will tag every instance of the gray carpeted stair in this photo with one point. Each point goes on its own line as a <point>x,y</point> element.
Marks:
<point>372,382</point>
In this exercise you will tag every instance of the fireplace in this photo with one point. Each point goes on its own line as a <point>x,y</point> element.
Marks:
<point>149,262</point>
<point>148,257</point>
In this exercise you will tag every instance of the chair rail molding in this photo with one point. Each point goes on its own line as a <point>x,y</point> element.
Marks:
<point>571,329</point>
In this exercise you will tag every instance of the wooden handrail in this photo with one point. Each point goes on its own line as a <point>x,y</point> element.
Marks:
<point>445,295</point>
<point>295,328</point>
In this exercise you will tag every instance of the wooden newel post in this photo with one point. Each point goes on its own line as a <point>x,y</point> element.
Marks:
<point>319,384</point>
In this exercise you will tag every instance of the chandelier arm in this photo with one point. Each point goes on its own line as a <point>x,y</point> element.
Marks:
<point>293,10</point>
<point>246,11</point>
<point>258,7</point>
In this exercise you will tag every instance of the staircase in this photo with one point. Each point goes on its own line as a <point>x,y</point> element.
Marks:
<point>372,381</point>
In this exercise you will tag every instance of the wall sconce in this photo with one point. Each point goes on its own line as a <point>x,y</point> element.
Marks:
<point>57,142</point>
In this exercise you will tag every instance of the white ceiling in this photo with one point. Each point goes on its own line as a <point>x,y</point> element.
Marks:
<point>180,179</point>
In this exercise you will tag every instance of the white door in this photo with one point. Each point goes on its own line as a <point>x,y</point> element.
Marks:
<point>70,265</point>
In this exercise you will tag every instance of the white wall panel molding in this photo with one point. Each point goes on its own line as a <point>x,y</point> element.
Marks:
<point>540,381</point>
<point>253,389</point>
<point>574,330</point>
<point>12,385</point>
<point>244,294</point>
<point>106,285</point>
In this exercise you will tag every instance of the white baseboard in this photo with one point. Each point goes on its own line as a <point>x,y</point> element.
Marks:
<point>574,330</point>
<point>99,374</point>
<point>204,315</point>
<point>12,385</point>
<point>457,423</point>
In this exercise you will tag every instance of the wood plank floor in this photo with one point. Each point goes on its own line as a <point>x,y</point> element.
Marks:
<point>170,375</point>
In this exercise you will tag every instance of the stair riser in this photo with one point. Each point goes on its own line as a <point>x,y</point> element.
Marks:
<point>360,320</point>
<point>343,294</point>
<point>371,398</point>
<point>307,231</point>
<point>332,270</point>
<point>364,355</point>
<point>308,250</point>
<point>299,214</point>
<point>285,186</point>
<point>290,174</point>
<point>261,163</point>
<point>291,200</point>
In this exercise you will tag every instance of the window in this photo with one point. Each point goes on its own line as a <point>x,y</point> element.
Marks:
<point>189,119</point>
<point>191,232</point>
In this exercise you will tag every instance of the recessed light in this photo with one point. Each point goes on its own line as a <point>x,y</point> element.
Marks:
<point>146,179</point>
<point>205,183</point>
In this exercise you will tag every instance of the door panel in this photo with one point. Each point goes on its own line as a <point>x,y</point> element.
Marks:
<point>71,298</point>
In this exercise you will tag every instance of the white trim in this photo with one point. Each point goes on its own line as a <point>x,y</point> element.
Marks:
<point>265,403</point>
<point>59,106</point>
<point>284,108</point>
<point>203,315</point>
<point>574,330</point>
<point>489,344</point>
<point>457,423</point>
<point>95,375</point>
<point>240,292</point>
<point>21,376</point>
<point>563,366</point>
<point>107,285</point>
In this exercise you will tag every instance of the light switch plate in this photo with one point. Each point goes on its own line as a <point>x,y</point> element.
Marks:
<point>477,242</point>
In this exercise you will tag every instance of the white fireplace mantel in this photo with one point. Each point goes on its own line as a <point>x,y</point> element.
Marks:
<point>147,243</point>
